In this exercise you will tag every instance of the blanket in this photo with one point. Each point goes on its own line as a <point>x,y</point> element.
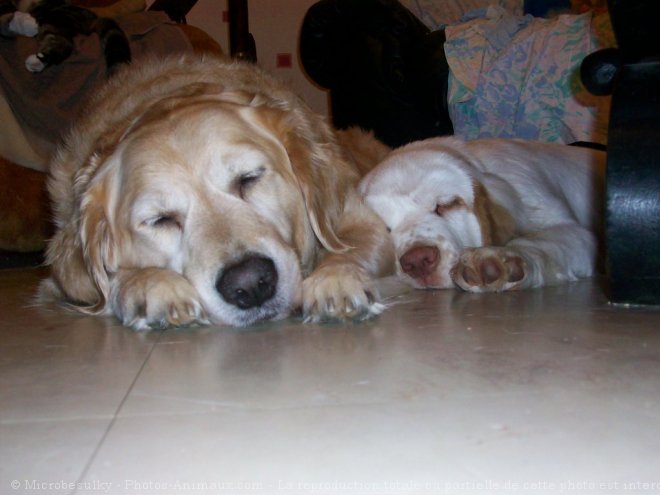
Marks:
<point>45,104</point>
<point>518,76</point>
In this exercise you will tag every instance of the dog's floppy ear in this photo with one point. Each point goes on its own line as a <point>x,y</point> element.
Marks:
<point>84,250</point>
<point>323,192</point>
<point>317,164</point>
<point>97,237</point>
<point>497,225</point>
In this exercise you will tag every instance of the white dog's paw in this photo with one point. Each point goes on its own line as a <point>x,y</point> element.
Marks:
<point>34,64</point>
<point>339,292</point>
<point>152,298</point>
<point>24,24</point>
<point>489,269</point>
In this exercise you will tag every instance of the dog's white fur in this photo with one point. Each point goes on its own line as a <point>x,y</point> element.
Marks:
<point>490,214</point>
<point>184,170</point>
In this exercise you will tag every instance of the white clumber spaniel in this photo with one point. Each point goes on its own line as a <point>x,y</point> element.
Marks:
<point>491,214</point>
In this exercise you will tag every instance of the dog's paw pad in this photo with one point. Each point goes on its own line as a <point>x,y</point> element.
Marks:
<point>488,269</point>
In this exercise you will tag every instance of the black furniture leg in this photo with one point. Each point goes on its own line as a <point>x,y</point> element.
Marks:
<point>241,41</point>
<point>632,210</point>
<point>632,217</point>
<point>175,9</point>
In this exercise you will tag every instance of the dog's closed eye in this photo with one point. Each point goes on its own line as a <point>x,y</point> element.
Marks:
<point>166,220</point>
<point>442,209</point>
<point>248,180</point>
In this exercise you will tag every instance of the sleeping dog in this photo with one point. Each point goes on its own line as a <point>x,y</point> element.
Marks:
<point>491,214</point>
<point>197,189</point>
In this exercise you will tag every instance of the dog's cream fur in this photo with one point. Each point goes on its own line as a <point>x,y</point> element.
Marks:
<point>186,169</point>
<point>491,214</point>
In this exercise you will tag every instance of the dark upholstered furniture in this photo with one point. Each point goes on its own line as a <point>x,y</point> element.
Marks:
<point>385,70</point>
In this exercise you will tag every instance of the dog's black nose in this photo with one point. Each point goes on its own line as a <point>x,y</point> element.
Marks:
<point>248,283</point>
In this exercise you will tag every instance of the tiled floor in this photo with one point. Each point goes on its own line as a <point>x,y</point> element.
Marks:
<point>546,390</point>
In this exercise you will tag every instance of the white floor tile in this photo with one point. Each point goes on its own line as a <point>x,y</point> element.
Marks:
<point>47,456</point>
<point>446,392</point>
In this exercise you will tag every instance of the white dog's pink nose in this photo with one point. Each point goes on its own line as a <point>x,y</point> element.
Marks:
<point>420,262</point>
<point>249,283</point>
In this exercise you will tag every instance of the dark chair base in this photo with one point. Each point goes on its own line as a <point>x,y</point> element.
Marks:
<point>632,227</point>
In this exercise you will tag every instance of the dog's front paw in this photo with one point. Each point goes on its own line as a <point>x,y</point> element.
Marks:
<point>153,298</point>
<point>339,292</point>
<point>489,269</point>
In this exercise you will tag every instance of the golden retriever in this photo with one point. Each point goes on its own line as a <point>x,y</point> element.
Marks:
<point>197,190</point>
<point>490,214</point>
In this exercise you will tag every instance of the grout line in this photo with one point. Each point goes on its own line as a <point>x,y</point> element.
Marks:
<point>100,443</point>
